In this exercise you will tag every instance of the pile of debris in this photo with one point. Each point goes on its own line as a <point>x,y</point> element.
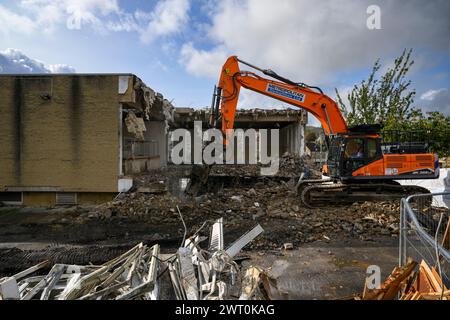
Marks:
<point>410,284</point>
<point>153,208</point>
<point>273,204</point>
<point>192,273</point>
<point>290,166</point>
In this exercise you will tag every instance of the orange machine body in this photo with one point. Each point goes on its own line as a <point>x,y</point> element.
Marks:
<point>406,166</point>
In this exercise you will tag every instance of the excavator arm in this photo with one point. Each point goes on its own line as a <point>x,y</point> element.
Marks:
<point>296,94</point>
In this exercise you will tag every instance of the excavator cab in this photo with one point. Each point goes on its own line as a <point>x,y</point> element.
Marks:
<point>364,154</point>
<point>351,152</point>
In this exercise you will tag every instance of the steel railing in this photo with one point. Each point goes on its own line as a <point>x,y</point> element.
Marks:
<point>423,224</point>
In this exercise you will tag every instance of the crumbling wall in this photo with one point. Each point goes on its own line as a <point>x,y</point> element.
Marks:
<point>147,117</point>
<point>148,153</point>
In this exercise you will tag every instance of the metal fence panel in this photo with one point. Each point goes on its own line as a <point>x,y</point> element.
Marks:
<point>423,229</point>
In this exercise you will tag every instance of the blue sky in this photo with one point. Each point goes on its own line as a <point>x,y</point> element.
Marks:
<point>178,46</point>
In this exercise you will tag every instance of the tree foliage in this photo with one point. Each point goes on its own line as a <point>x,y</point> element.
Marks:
<point>384,100</point>
<point>388,100</point>
<point>436,127</point>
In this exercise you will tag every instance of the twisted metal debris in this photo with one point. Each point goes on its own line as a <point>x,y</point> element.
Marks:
<point>194,273</point>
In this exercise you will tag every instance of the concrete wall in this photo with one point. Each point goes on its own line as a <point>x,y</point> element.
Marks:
<point>59,133</point>
<point>157,132</point>
<point>155,137</point>
<point>292,139</point>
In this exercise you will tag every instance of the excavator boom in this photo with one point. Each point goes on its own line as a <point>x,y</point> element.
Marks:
<point>298,95</point>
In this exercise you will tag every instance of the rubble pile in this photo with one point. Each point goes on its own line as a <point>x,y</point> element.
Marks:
<point>273,204</point>
<point>290,166</point>
<point>153,208</point>
<point>142,273</point>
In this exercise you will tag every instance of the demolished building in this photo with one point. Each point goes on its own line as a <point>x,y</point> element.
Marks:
<point>74,138</point>
<point>69,139</point>
<point>291,124</point>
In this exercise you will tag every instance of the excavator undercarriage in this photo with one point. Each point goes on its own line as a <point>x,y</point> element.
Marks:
<point>325,193</point>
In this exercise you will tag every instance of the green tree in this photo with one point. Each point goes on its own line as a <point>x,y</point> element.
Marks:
<point>435,127</point>
<point>387,100</point>
<point>384,100</point>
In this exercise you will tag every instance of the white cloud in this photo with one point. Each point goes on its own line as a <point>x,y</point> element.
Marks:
<point>312,41</point>
<point>61,68</point>
<point>125,22</point>
<point>12,22</point>
<point>45,16</point>
<point>436,100</point>
<point>430,95</point>
<point>74,14</point>
<point>14,61</point>
<point>201,62</point>
<point>168,17</point>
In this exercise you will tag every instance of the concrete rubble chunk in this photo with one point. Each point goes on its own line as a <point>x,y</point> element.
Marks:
<point>135,125</point>
<point>9,289</point>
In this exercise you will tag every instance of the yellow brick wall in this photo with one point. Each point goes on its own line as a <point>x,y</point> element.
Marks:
<point>38,199</point>
<point>48,199</point>
<point>70,142</point>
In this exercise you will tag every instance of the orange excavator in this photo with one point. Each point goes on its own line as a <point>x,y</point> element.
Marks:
<point>360,165</point>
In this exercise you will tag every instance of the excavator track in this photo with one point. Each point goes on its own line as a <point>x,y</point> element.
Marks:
<point>319,194</point>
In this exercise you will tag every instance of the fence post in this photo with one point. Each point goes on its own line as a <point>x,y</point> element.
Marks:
<point>402,233</point>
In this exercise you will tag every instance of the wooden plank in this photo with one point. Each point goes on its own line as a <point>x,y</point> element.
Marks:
<point>408,295</point>
<point>423,283</point>
<point>425,296</point>
<point>416,296</point>
<point>390,288</point>
<point>434,283</point>
<point>438,279</point>
<point>402,274</point>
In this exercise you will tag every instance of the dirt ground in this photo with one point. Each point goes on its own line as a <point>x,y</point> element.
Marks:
<point>340,241</point>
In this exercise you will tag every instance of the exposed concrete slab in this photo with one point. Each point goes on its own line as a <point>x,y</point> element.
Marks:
<point>245,118</point>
